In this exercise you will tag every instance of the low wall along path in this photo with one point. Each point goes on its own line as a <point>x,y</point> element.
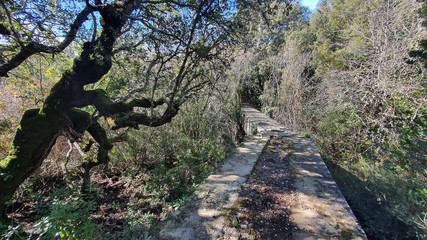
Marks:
<point>321,211</point>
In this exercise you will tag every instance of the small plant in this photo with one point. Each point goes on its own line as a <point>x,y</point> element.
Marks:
<point>422,203</point>
<point>136,217</point>
<point>327,160</point>
<point>68,216</point>
<point>254,129</point>
<point>292,173</point>
<point>289,146</point>
<point>115,206</point>
<point>11,232</point>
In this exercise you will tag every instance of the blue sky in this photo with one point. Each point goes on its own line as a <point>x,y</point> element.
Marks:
<point>309,3</point>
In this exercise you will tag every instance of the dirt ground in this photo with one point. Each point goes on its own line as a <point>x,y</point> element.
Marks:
<point>261,212</point>
<point>111,205</point>
<point>263,207</point>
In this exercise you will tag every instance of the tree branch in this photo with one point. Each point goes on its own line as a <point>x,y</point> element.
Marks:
<point>134,119</point>
<point>33,47</point>
<point>12,29</point>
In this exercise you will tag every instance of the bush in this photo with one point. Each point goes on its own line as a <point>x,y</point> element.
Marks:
<point>67,216</point>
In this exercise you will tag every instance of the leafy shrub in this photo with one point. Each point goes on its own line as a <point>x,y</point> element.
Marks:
<point>67,216</point>
<point>338,135</point>
<point>12,231</point>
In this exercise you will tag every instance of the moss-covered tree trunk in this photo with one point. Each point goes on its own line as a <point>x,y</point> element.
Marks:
<point>39,128</point>
<point>33,140</point>
<point>185,48</point>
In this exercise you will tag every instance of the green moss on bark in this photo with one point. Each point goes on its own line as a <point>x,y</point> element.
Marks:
<point>33,141</point>
<point>106,107</point>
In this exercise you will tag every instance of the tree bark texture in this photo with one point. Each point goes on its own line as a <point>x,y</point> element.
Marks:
<point>60,114</point>
<point>39,128</point>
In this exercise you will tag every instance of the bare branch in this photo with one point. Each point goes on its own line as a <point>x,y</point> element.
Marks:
<point>12,28</point>
<point>33,47</point>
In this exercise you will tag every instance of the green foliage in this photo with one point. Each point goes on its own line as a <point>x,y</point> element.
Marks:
<point>407,145</point>
<point>369,194</point>
<point>421,52</point>
<point>67,216</point>
<point>160,54</point>
<point>355,94</point>
<point>266,28</point>
<point>5,125</point>
<point>340,76</point>
<point>136,217</point>
<point>11,231</point>
<point>421,200</point>
<point>167,163</point>
<point>341,123</point>
<point>337,135</point>
<point>179,155</point>
<point>146,64</point>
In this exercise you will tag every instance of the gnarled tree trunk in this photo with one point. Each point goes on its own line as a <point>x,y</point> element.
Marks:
<point>189,40</point>
<point>39,128</point>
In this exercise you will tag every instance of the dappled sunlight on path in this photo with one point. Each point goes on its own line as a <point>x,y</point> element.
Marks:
<point>318,209</point>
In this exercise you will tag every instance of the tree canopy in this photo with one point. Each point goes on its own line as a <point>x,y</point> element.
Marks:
<point>350,75</point>
<point>172,47</point>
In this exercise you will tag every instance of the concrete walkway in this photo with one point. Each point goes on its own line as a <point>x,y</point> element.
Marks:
<point>202,215</point>
<point>321,211</point>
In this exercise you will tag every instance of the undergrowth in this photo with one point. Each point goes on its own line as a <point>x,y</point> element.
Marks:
<point>381,171</point>
<point>159,167</point>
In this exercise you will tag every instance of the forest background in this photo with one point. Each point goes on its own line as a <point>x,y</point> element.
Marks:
<point>350,75</point>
